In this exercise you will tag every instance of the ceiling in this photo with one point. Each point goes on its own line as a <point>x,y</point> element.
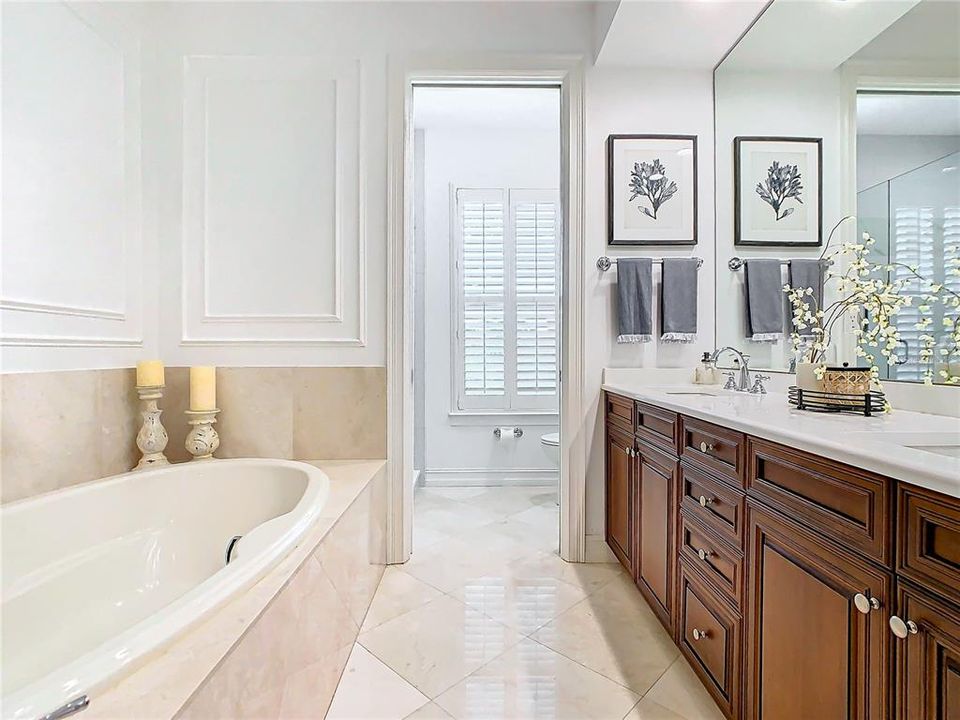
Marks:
<point>908,115</point>
<point>928,33</point>
<point>487,108</point>
<point>684,34</point>
<point>813,34</point>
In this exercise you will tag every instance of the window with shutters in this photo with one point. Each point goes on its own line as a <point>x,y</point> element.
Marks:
<point>507,283</point>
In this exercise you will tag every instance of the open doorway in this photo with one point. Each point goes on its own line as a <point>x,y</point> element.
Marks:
<point>487,230</point>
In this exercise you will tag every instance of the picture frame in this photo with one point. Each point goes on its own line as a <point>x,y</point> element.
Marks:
<point>778,191</point>
<point>652,190</point>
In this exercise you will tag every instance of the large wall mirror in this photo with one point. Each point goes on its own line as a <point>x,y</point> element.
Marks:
<point>826,110</point>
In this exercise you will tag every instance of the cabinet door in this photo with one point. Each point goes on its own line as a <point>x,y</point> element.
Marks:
<point>927,683</point>
<point>620,480</point>
<point>810,652</point>
<point>655,563</point>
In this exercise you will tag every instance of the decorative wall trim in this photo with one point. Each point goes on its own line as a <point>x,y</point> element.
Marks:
<point>33,324</point>
<point>65,341</point>
<point>348,138</point>
<point>65,310</point>
<point>479,477</point>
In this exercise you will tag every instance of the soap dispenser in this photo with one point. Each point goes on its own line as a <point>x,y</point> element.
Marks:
<point>706,372</point>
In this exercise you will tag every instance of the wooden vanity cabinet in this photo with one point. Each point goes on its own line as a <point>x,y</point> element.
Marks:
<point>620,488</point>
<point>797,587</point>
<point>810,652</point>
<point>655,522</point>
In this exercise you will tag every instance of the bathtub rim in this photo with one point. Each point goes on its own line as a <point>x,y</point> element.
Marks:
<point>107,664</point>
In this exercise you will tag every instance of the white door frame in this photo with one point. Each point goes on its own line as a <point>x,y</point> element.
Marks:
<point>403,73</point>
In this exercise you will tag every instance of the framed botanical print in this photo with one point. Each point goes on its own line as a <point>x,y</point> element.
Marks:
<point>778,191</point>
<point>652,190</point>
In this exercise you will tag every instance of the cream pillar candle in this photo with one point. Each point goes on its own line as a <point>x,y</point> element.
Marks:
<point>149,373</point>
<point>203,388</point>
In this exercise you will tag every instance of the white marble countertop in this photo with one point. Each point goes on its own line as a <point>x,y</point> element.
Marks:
<point>917,448</point>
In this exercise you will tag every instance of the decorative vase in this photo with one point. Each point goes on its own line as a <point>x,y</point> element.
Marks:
<point>807,376</point>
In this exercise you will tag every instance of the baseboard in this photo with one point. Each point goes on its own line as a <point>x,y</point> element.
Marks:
<point>456,477</point>
<point>596,550</point>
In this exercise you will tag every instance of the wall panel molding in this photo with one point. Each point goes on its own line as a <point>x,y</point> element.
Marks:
<point>326,108</point>
<point>72,77</point>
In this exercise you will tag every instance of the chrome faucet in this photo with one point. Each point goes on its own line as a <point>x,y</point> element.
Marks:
<point>743,360</point>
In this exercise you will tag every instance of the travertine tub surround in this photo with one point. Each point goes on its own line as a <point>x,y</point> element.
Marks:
<point>64,428</point>
<point>278,650</point>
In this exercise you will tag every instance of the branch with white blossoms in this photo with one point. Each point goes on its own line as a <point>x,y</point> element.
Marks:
<point>866,292</point>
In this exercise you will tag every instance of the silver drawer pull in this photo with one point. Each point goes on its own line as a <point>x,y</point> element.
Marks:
<point>903,628</point>
<point>703,554</point>
<point>707,447</point>
<point>865,604</point>
<point>700,634</point>
<point>704,501</point>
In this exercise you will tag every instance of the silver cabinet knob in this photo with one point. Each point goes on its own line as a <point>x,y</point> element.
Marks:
<point>902,628</point>
<point>700,634</point>
<point>865,604</point>
<point>704,501</point>
<point>703,554</point>
<point>706,447</point>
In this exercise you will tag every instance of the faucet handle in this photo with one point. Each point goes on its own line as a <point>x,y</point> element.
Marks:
<point>731,384</point>
<point>758,387</point>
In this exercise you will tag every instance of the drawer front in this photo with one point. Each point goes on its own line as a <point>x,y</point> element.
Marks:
<point>714,448</point>
<point>929,540</point>
<point>620,411</point>
<point>657,426</point>
<point>709,635</point>
<point>713,503</point>
<point>719,563</point>
<point>840,501</point>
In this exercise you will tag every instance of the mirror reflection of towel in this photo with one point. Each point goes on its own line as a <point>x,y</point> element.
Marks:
<point>634,298</point>
<point>808,273</point>
<point>763,287</point>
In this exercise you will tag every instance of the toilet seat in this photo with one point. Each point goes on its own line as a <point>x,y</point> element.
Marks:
<point>552,439</point>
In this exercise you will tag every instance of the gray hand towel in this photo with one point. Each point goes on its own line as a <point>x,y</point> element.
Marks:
<point>808,273</point>
<point>763,287</point>
<point>678,300</point>
<point>635,294</point>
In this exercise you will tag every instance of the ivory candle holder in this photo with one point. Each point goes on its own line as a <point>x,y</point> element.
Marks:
<point>202,440</point>
<point>152,438</point>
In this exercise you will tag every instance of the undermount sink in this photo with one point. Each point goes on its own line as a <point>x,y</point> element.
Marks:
<point>690,392</point>
<point>937,443</point>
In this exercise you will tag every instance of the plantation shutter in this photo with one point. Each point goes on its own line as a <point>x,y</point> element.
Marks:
<point>507,296</point>
<point>536,230</point>
<point>482,281</point>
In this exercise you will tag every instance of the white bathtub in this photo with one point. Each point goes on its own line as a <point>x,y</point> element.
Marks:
<point>97,577</point>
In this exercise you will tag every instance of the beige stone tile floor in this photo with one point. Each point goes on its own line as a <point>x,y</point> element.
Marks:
<point>486,621</point>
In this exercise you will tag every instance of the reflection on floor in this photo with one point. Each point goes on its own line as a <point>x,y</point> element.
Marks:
<point>486,621</point>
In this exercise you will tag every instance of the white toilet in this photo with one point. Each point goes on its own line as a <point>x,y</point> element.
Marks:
<point>551,447</point>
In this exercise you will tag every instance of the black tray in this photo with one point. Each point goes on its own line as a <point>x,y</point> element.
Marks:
<point>816,401</point>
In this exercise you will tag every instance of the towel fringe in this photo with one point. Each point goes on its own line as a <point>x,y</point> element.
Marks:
<point>678,337</point>
<point>634,338</point>
<point>766,337</point>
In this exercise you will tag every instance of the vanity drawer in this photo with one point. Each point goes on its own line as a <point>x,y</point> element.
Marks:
<point>715,504</point>
<point>928,548</point>
<point>657,426</point>
<point>840,501</point>
<point>620,411</point>
<point>714,448</point>
<point>720,564</point>
<point>709,635</point>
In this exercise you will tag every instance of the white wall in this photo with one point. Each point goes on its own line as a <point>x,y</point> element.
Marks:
<point>809,104</point>
<point>74,290</point>
<point>473,158</point>
<point>219,258</point>
<point>882,157</point>
<point>636,101</point>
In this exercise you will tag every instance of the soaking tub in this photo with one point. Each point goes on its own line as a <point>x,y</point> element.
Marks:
<point>97,577</point>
